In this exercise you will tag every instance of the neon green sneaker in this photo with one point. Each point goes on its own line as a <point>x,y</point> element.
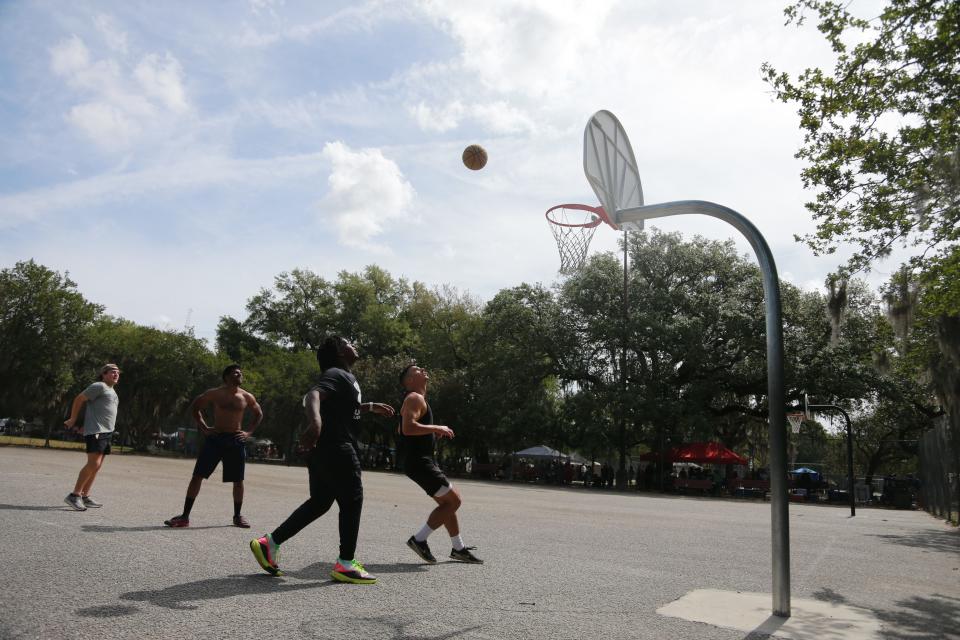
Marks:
<point>267,553</point>
<point>351,571</point>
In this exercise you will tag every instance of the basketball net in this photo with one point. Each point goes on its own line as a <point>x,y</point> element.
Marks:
<point>796,419</point>
<point>572,228</point>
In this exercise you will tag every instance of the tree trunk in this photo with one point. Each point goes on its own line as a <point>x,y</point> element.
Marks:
<point>948,383</point>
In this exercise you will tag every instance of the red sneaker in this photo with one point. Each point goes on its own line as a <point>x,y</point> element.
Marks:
<point>177,522</point>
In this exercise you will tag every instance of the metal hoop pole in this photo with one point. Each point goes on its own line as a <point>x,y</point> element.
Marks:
<point>779,502</point>
<point>850,479</point>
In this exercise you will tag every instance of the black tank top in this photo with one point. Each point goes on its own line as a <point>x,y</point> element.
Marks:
<point>416,446</point>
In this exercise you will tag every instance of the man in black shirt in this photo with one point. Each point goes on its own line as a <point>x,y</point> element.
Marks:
<point>333,408</point>
<point>417,433</point>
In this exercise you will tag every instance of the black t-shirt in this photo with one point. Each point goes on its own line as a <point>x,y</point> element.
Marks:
<point>340,410</point>
<point>417,446</point>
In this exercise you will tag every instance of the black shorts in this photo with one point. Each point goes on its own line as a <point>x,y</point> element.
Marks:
<point>98,443</point>
<point>226,447</point>
<point>426,473</point>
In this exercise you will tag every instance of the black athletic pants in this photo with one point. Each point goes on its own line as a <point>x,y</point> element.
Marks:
<point>334,476</point>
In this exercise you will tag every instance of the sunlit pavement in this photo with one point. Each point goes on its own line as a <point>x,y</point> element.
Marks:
<point>560,563</point>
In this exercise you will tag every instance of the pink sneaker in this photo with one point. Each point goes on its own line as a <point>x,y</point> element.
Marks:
<point>267,554</point>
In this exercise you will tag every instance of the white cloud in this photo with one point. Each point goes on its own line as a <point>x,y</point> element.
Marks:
<point>70,56</point>
<point>189,173</point>
<point>265,6</point>
<point>111,127</point>
<point>367,192</point>
<point>438,119</point>
<point>114,107</point>
<point>355,16</point>
<point>115,38</point>
<point>162,78</point>
<point>293,114</point>
<point>535,47</point>
<point>500,117</point>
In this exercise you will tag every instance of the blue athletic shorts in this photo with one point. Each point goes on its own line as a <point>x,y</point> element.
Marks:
<point>226,447</point>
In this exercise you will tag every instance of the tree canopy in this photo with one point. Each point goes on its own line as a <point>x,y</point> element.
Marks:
<point>882,153</point>
<point>43,319</point>
<point>533,365</point>
<point>882,132</point>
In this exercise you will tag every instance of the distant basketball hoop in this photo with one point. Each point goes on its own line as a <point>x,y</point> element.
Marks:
<point>796,419</point>
<point>573,226</point>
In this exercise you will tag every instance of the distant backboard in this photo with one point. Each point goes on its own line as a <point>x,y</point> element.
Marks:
<point>611,169</point>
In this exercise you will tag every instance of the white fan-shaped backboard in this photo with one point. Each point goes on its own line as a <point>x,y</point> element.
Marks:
<point>611,168</point>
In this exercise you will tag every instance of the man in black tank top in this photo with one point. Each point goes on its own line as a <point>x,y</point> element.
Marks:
<point>333,408</point>
<point>416,438</point>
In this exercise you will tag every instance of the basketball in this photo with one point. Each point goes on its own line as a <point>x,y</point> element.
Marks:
<point>475,157</point>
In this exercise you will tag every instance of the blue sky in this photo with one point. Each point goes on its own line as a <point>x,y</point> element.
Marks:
<point>174,157</point>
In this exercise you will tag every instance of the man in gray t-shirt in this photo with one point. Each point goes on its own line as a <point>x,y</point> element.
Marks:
<point>99,421</point>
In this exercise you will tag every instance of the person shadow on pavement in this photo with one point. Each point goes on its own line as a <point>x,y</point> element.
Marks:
<point>102,528</point>
<point>187,596</point>
<point>31,507</point>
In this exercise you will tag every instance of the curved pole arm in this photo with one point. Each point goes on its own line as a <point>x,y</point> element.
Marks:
<point>779,502</point>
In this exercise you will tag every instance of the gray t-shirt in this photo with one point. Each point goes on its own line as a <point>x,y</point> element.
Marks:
<point>101,413</point>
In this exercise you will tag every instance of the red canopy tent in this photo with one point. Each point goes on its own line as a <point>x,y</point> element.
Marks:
<point>699,452</point>
<point>708,452</point>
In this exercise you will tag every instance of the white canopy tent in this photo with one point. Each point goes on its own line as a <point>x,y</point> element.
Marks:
<point>540,451</point>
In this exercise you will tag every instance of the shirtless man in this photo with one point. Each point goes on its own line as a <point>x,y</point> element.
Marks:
<point>224,441</point>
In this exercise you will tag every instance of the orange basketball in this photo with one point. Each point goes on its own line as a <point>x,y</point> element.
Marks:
<point>475,157</point>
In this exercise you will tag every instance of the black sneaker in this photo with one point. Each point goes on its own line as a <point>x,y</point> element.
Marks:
<point>422,549</point>
<point>465,555</point>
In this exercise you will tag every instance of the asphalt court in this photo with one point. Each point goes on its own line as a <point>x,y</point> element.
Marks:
<point>560,562</point>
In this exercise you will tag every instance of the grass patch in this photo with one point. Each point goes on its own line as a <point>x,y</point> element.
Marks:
<point>23,441</point>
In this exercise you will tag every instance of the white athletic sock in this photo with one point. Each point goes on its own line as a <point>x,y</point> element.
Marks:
<point>424,533</point>
<point>457,542</point>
